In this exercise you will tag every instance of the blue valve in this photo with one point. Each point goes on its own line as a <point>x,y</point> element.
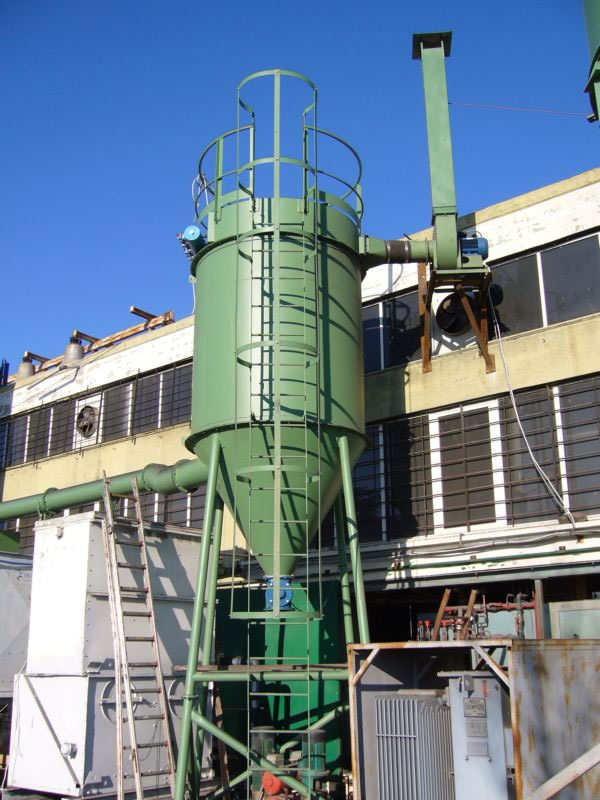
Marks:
<point>285,594</point>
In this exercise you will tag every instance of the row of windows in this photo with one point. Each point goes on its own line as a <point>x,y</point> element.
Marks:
<point>469,467</point>
<point>457,469</point>
<point>545,288</point>
<point>181,508</point>
<point>141,404</point>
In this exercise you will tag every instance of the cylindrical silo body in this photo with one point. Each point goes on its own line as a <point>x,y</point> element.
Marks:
<point>278,366</point>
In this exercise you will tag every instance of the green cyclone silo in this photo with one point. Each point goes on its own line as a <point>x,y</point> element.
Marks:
<point>278,367</point>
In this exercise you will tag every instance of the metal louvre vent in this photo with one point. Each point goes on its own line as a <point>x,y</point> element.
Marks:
<point>414,748</point>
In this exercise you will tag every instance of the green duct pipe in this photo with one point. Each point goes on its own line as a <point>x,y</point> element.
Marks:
<point>431,49</point>
<point>591,10</point>
<point>180,477</point>
<point>248,753</point>
<point>374,252</point>
<point>272,676</point>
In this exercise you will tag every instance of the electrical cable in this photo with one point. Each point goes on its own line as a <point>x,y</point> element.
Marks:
<point>554,493</point>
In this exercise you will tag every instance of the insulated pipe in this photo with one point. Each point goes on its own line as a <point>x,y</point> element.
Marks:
<point>180,477</point>
<point>374,252</point>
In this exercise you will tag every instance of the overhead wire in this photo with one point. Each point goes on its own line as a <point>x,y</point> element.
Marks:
<point>554,493</point>
<point>495,107</point>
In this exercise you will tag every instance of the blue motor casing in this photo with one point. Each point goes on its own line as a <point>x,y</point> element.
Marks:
<point>193,236</point>
<point>285,594</point>
<point>473,246</point>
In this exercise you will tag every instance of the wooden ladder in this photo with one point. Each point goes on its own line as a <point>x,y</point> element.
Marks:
<point>134,626</point>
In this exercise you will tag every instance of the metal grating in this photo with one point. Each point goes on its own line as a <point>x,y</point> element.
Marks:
<point>414,748</point>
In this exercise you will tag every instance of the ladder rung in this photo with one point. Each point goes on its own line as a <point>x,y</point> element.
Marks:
<point>133,590</point>
<point>128,543</point>
<point>127,565</point>
<point>144,717</point>
<point>149,690</point>
<point>116,495</point>
<point>146,745</point>
<point>139,638</point>
<point>139,664</point>
<point>151,773</point>
<point>283,521</point>
<point>137,614</point>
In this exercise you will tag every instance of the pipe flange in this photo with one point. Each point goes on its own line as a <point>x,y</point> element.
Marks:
<point>42,506</point>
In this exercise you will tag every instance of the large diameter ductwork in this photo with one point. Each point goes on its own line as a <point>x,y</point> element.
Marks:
<point>184,476</point>
<point>374,252</point>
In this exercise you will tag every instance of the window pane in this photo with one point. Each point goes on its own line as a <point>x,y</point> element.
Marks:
<point>15,443</point>
<point>197,502</point>
<point>408,477</point>
<point>516,296</point>
<point>571,280</point>
<point>527,498</point>
<point>402,330</point>
<point>26,534</point>
<point>115,412</point>
<point>39,432</point>
<point>176,404</point>
<point>3,442</point>
<point>145,406</point>
<point>172,508</point>
<point>466,460</point>
<point>63,420</point>
<point>371,338</point>
<point>581,432</point>
<point>367,489</point>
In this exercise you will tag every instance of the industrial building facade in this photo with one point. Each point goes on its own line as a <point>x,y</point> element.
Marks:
<point>447,494</point>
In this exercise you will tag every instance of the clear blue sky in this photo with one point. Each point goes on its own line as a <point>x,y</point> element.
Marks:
<point>106,106</point>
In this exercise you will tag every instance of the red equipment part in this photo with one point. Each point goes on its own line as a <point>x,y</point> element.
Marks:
<point>272,784</point>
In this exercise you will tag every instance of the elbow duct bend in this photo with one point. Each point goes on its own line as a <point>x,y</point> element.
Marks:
<point>184,476</point>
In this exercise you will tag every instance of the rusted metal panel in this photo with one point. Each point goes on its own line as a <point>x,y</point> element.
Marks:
<point>555,708</point>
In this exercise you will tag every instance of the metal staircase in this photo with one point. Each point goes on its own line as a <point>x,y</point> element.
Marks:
<point>138,673</point>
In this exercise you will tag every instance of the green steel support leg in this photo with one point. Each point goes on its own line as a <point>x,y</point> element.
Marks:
<point>188,696</point>
<point>248,753</point>
<point>211,602</point>
<point>359,587</point>
<point>340,534</point>
<point>226,787</point>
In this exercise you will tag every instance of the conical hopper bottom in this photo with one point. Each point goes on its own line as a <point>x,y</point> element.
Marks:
<point>311,479</point>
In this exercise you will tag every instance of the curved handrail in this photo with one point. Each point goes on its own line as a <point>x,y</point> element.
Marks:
<point>203,187</point>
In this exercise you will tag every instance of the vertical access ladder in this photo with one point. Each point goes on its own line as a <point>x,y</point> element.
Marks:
<point>137,655</point>
<point>283,361</point>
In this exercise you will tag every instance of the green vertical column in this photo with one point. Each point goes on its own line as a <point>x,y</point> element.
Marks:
<point>211,604</point>
<point>188,695</point>
<point>340,534</point>
<point>351,521</point>
<point>276,343</point>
